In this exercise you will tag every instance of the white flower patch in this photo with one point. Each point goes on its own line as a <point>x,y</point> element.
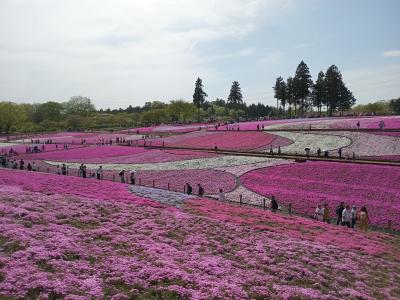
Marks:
<point>200,163</point>
<point>134,137</point>
<point>162,196</point>
<point>4,145</point>
<point>241,169</point>
<point>312,141</point>
<point>248,197</point>
<point>367,144</point>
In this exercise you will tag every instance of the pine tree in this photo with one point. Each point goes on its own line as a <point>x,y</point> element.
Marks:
<point>199,96</point>
<point>333,84</point>
<point>318,94</point>
<point>235,96</point>
<point>302,84</point>
<point>278,91</point>
<point>284,96</point>
<point>290,94</point>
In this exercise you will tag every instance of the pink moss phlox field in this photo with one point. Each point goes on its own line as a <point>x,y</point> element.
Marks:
<point>347,239</point>
<point>230,140</point>
<point>211,180</point>
<point>153,156</point>
<point>21,148</point>
<point>86,154</point>
<point>308,184</point>
<point>338,123</point>
<point>61,244</point>
<point>69,185</point>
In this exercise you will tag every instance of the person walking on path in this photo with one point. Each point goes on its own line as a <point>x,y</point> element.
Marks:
<point>29,167</point>
<point>132,177</point>
<point>353,216</point>
<point>80,171</point>
<point>364,219</point>
<point>274,204</point>
<point>64,169</point>
<point>221,195</point>
<point>189,188</point>
<point>122,176</point>
<point>346,216</point>
<point>99,173</point>
<point>200,190</point>
<point>339,211</point>
<point>340,152</point>
<point>358,125</point>
<point>326,214</point>
<point>21,164</point>
<point>84,171</point>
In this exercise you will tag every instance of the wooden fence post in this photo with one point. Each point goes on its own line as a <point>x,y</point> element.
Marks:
<point>290,208</point>
<point>240,199</point>
<point>168,186</point>
<point>184,188</point>
<point>264,204</point>
<point>154,183</point>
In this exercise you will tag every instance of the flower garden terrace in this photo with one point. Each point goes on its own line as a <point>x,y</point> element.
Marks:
<point>66,237</point>
<point>173,168</point>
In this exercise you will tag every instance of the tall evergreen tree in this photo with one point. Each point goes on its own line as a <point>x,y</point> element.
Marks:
<point>346,98</point>
<point>290,94</point>
<point>199,96</point>
<point>333,86</point>
<point>284,96</point>
<point>318,94</point>
<point>278,91</point>
<point>302,84</point>
<point>235,96</point>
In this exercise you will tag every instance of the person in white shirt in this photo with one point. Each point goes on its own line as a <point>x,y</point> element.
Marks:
<point>319,213</point>
<point>346,216</point>
<point>221,195</point>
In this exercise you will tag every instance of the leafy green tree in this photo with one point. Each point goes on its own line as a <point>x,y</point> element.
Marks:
<point>81,106</point>
<point>12,117</point>
<point>302,85</point>
<point>180,110</point>
<point>51,111</point>
<point>199,96</point>
<point>395,105</point>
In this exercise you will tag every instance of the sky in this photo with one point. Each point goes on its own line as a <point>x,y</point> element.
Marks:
<point>127,52</point>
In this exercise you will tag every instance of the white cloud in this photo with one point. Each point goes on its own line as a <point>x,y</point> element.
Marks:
<point>394,53</point>
<point>117,50</point>
<point>374,83</point>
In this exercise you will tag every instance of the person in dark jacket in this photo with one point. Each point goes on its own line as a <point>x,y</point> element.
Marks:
<point>274,204</point>
<point>339,213</point>
<point>200,190</point>
<point>189,189</point>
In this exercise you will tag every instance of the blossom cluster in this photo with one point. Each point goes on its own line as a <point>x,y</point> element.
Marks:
<point>66,239</point>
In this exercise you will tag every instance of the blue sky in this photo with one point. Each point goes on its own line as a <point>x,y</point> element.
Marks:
<point>125,52</point>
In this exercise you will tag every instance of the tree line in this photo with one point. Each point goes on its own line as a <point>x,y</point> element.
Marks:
<point>79,113</point>
<point>328,93</point>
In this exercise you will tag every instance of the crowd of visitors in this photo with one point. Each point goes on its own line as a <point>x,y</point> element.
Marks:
<point>346,216</point>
